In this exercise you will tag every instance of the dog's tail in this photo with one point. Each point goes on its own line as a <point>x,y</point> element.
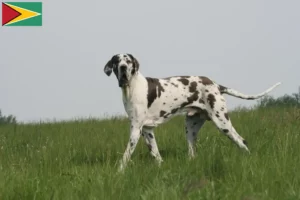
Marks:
<point>235,93</point>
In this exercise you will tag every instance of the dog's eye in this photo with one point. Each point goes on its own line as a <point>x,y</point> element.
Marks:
<point>128,61</point>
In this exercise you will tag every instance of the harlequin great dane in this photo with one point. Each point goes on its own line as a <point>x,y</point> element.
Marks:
<point>152,101</point>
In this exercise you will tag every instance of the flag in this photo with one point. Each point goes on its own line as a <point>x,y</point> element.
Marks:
<point>21,13</point>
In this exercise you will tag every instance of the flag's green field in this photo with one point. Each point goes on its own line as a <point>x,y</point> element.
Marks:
<point>77,160</point>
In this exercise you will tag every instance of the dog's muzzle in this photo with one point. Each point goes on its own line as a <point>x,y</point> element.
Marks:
<point>123,81</point>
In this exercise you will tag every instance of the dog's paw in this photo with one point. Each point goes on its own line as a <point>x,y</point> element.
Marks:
<point>121,167</point>
<point>159,162</point>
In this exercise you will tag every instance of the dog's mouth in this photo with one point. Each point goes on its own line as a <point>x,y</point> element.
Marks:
<point>123,81</point>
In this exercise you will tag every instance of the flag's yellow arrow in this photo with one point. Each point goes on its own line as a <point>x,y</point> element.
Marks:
<point>25,14</point>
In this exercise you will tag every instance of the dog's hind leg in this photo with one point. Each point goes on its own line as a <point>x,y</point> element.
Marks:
<point>227,128</point>
<point>219,115</point>
<point>192,127</point>
<point>224,125</point>
<point>148,134</point>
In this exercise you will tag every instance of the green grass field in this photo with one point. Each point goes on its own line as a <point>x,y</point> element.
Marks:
<point>78,160</point>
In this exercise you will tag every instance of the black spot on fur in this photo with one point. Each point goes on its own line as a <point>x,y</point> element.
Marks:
<point>217,115</point>
<point>175,99</point>
<point>226,116</point>
<point>206,91</point>
<point>174,110</point>
<point>131,144</point>
<point>193,87</point>
<point>174,84</point>
<point>222,109</point>
<point>245,142</point>
<point>164,103</point>
<point>154,90</point>
<point>162,113</point>
<point>150,135</point>
<point>166,84</point>
<point>222,89</point>
<point>184,81</point>
<point>206,81</point>
<point>191,99</point>
<point>201,101</point>
<point>225,130</point>
<point>211,100</point>
<point>194,97</point>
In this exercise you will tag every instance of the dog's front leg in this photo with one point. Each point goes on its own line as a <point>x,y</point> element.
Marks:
<point>135,132</point>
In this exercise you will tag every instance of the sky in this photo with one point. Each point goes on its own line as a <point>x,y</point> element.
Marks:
<point>56,71</point>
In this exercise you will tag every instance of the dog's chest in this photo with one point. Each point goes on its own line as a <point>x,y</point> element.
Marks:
<point>134,98</point>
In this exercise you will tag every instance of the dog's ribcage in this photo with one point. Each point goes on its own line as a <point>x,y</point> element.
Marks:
<point>176,95</point>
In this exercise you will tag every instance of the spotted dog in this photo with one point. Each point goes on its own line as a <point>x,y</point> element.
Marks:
<point>153,101</point>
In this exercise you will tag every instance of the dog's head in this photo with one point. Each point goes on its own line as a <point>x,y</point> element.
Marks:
<point>125,66</point>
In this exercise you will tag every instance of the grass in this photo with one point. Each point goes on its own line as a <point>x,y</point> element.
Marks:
<point>78,160</point>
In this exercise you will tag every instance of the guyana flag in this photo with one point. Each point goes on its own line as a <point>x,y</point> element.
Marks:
<point>22,14</point>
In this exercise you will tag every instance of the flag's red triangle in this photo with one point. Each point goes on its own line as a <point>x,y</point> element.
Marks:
<point>8,14</point>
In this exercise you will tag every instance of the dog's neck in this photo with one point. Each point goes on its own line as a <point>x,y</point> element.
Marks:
<point>134,84</point>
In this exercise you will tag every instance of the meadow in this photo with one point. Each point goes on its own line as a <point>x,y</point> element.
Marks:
<point>78,160</point>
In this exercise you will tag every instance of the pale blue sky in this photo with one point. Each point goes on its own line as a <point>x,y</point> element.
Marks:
<point>56,71</point>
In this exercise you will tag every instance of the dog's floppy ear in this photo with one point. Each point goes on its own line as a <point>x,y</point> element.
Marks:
<point>136,64</point>
<point>108,68</point>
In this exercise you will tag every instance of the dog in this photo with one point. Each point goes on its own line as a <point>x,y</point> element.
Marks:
<point>150,102</point>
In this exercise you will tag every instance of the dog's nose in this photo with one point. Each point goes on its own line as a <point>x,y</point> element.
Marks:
<point>123,68</point>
